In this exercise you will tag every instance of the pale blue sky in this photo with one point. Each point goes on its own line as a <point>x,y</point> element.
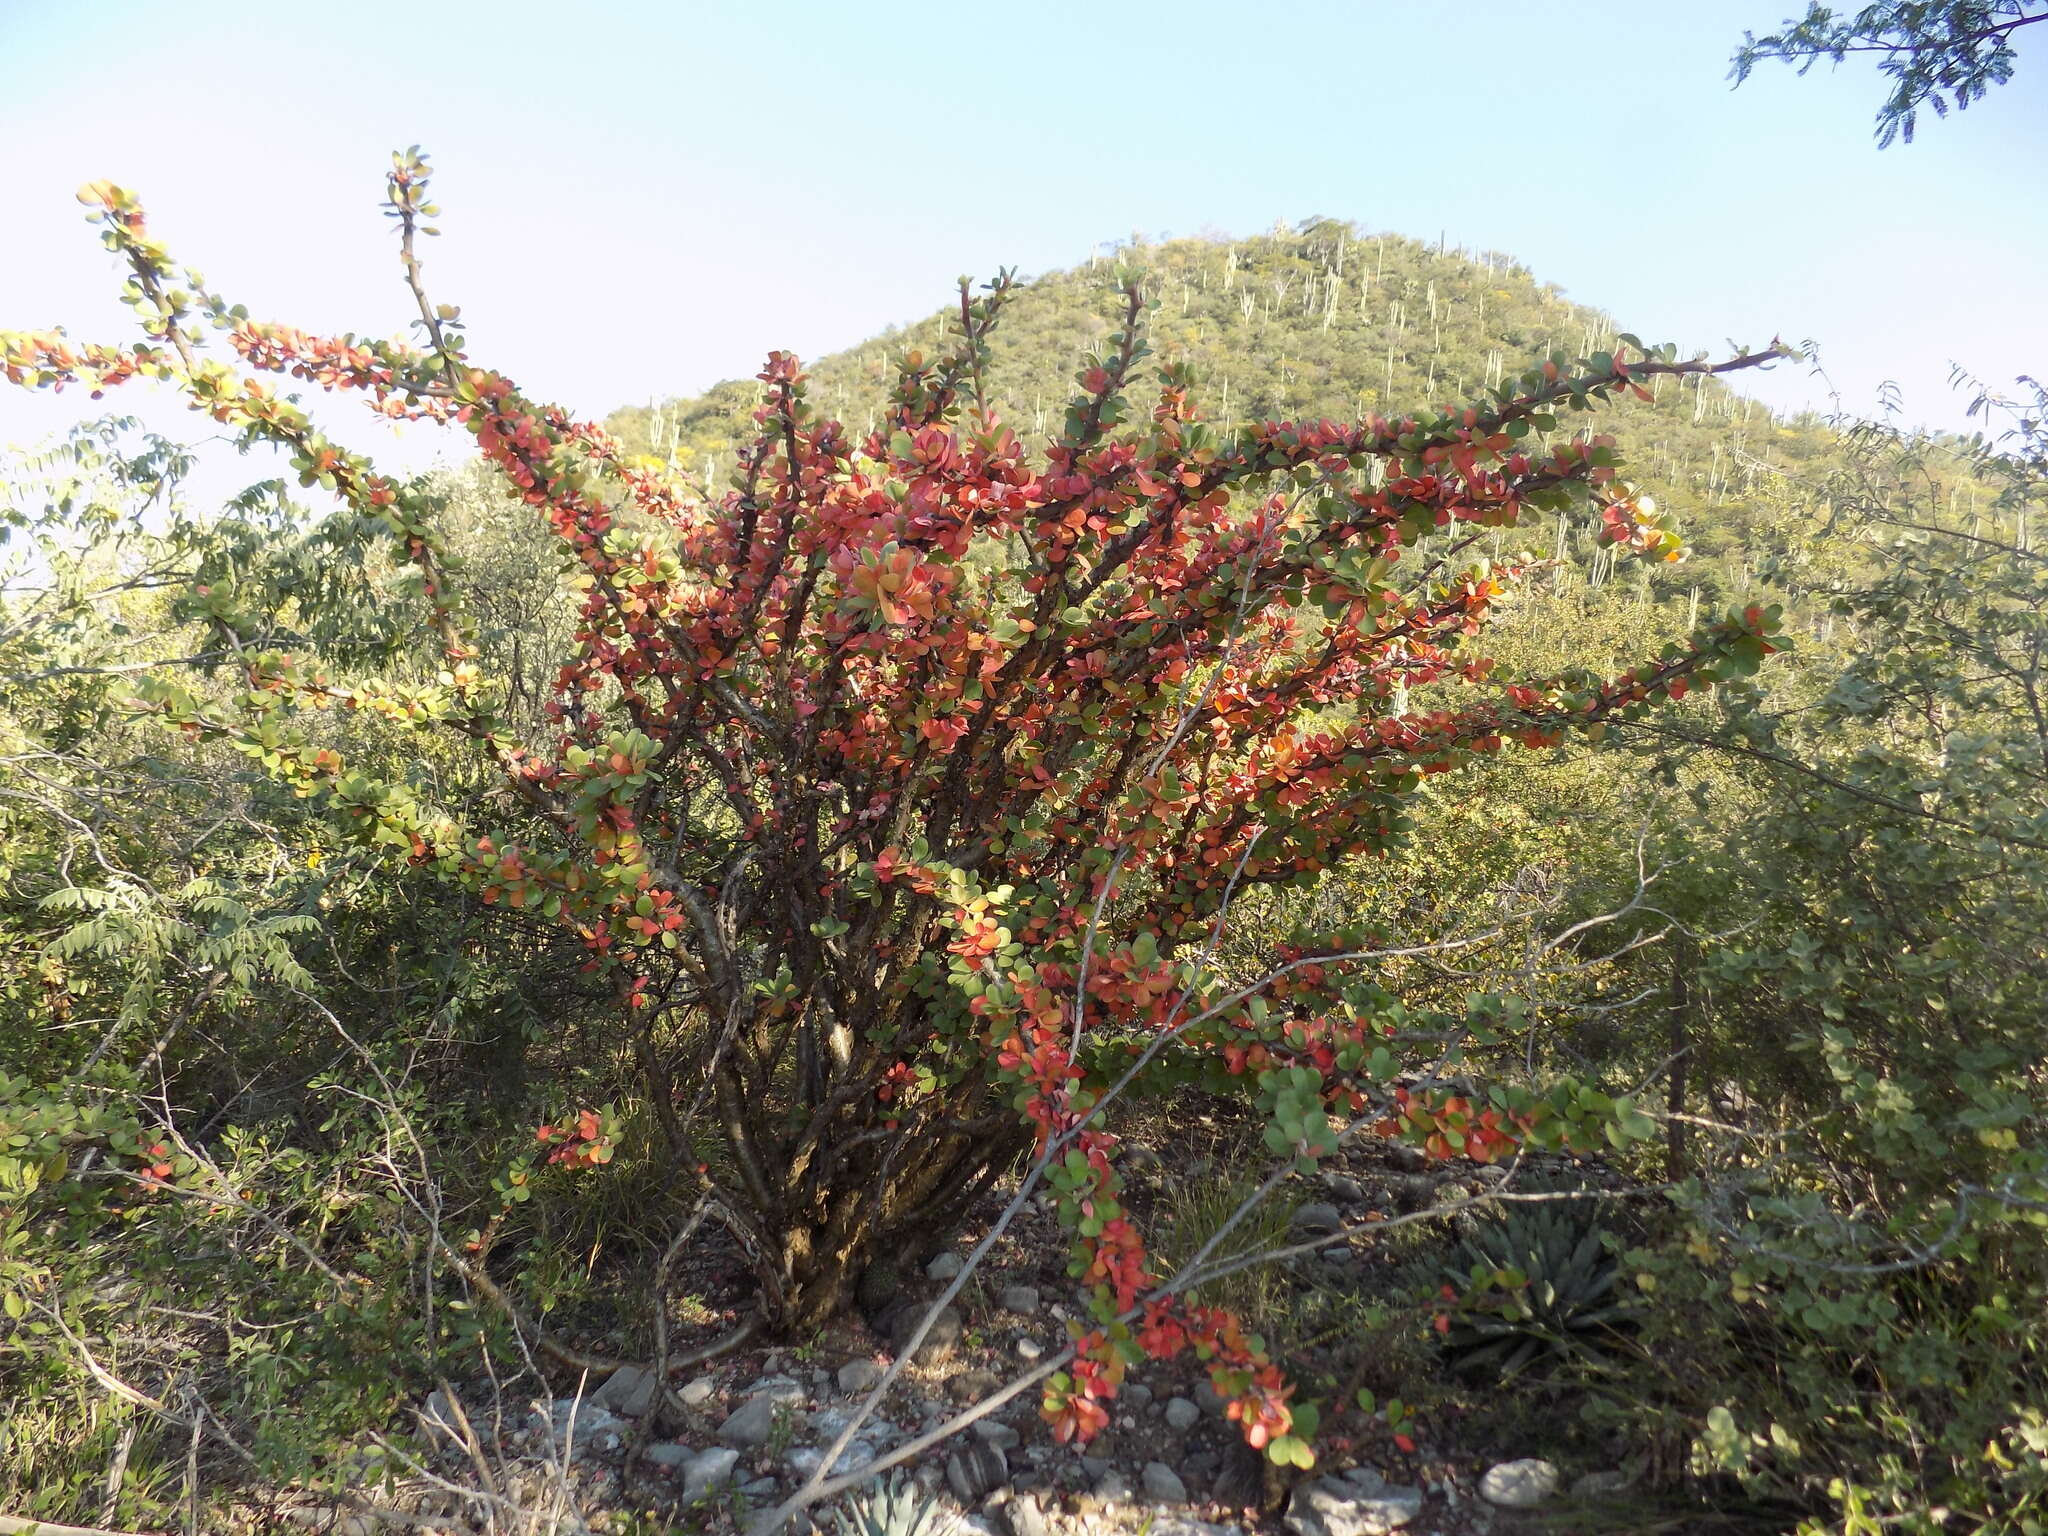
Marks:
<point>642,198</point>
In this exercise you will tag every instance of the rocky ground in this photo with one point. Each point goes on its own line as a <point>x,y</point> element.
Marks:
<point>748,1438</point>
<point>737,1436</point>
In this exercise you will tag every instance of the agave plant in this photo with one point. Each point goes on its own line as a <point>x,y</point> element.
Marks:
<point>895,1507</point>
<point>1538,1281</point>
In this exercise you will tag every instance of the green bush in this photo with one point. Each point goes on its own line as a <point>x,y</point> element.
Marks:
<point>1849,1311</point>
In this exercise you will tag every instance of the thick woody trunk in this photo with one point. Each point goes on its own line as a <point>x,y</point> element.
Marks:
<point>869,1216</point>
<point>854,1128</point>
<point>818,1285</point>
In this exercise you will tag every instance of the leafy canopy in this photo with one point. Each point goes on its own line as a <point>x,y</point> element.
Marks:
<point>1935,51</point>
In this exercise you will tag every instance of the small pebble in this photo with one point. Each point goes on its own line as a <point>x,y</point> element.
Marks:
<point>1600,1485</point>
<point>859,1376</point>
<point>1522,1484</point>
<point>1163,1484</point>
<point>996,1433</point>
<point>1343,1187</point>
<point>1318,1219</point>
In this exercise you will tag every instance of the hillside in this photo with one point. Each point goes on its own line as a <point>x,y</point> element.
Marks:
<point>1325,320</point>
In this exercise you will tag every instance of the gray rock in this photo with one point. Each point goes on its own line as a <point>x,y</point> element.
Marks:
<point>1162,1484</point>
<point>1406,1158</point>
<point>587,1424</point>
<point>1522,1484</point>
<point>668,1454</point>
<point>945,1266</point>
<point>1392,1507</point>
<point>1187,1525</point>
<point>1317,1219</point>
<point>1209,1399</point>
<point>884,1322</point>
<point>996,1433</point>
<point>1112,1489</point>
<point>976,1472</point>
<point>761,1488</point>
<point>778,1389</point>
<point>827,1423</point>
<point>439,1419</point>
<point>802,1461</point>
<point>750,1424</point>
<point>939,1340</point>
<point>1600,1485</point>
<point>630,1390</point>
<point>1027,1517</point>
<point>806,1459</point>
<point>1021,1299</point>
<point>972,1384</point>
<point>1335,1508</point>
<point>1345,1188</point>
<point>1365,1479</point>
<point>1181,1414</point>
<point>858,1376</point>
<point>708,1470</point>
<point>1029,1350</point>
<point>1094,1466</point>
<point>697,1393</point>
<point>977,1525</point>
<point>1138,1395</point>
<point>830,1423</point>
<point>346,1523</point>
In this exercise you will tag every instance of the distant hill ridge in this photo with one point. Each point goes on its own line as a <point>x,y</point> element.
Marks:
<point>1323,320</point>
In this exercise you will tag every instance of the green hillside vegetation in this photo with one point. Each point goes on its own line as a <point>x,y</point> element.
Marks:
<point>1324,321</point>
